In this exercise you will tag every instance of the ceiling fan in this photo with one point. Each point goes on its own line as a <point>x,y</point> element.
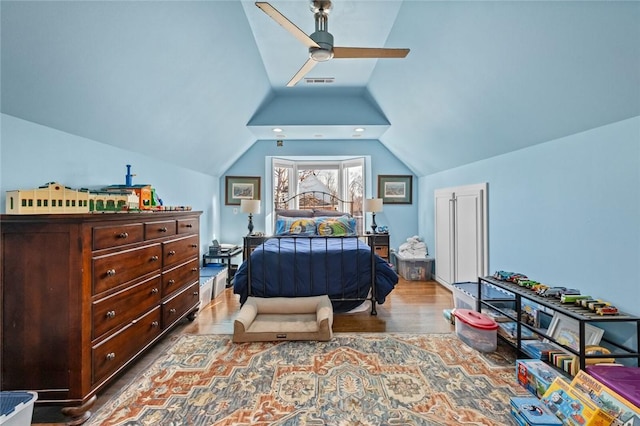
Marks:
<point>320,43</point>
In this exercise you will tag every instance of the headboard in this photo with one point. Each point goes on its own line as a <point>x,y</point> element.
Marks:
<point>313,203</point>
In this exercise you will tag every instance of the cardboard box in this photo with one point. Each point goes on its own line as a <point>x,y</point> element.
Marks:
<point>536,376</point>
<point>623,411</point>
<point>573,407</point>
<point>529,411</point>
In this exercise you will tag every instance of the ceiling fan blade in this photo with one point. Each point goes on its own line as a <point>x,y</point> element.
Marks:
<point>286,24</point>
<point>368,52</point>
<point>302,72</point>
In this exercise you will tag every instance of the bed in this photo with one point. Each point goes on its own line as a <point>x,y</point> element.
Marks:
<point>316,251</point>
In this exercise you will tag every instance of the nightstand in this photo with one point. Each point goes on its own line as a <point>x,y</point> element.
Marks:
<point>380,245</point>
<point>250,244</point>
<point>225,256</point>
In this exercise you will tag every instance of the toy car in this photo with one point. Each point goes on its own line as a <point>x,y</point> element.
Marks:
<point>551,291</point>
<point>524,282</point>
<point>607,310</point>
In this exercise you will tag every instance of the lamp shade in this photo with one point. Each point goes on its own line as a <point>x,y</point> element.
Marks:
<point>250,206</point>
<point>373,205</point>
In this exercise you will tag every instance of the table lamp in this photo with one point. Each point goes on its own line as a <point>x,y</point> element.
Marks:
<point>251,207</point>
<point>373,205</point>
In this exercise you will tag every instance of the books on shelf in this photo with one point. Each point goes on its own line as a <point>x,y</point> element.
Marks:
<point>538,349</point>
<point>509,330</point>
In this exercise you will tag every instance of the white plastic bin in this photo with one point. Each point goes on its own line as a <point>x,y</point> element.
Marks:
<point>465,295</point>
<point>16,407</point>
<point>413,268</point>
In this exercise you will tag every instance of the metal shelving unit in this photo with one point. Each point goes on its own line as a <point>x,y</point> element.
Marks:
<point>551,305</point>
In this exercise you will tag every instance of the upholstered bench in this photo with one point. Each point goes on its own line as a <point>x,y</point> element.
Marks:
<point>284,318</point>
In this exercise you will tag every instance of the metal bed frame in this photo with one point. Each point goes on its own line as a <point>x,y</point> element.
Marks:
<point>310,200</point>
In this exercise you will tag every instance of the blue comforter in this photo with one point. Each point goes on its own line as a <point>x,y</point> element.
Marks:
<point>298,267</point>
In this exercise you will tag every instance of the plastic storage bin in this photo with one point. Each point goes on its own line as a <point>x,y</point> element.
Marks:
<point>465,295</point>
<point>476,330</point>
<point>16,407</point>
<point>413,268</point>
<point>218,272</point>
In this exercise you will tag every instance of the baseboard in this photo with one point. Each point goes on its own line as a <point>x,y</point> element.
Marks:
<point>444,284</point>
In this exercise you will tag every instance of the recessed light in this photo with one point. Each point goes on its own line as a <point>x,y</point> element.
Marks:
<point>359,129</point>
<point>277,130</point>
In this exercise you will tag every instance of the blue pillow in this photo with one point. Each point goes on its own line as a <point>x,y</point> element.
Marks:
<point>336,226</point>
<point>295,226</point>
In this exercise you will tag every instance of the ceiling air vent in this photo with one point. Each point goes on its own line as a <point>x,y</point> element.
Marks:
<point>320,80</point>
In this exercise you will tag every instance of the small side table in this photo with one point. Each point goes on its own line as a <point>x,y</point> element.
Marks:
<point>379,243</point>
<point>224,255</point>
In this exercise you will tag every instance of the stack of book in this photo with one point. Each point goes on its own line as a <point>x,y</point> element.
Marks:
<point>538,349</point>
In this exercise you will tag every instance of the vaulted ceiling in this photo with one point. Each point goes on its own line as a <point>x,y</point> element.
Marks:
<point>196,83</point>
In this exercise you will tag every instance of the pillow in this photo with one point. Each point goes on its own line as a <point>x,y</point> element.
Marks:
<point>294,213</point>
<point>336,226</point>
<point>295,226</point>
<point>328,213</point>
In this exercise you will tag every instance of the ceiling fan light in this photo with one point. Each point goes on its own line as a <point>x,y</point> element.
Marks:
<point>320,55</point>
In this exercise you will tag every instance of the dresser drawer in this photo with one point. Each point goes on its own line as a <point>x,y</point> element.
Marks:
<point>117,235</point>
<point>180,304</point>
<point>122,307</point>
<point>114,352</point>
<point>165,228</point>
<point>179,276</point>
<point>188,226</point>
<point>111,270</point>
<point>176,251</point>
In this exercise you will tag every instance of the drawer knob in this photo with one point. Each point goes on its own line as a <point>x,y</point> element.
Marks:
<point>172,282</point>
<point>189,225</point>
<point>123,235</point>
<point>154,258</point>
<point>111,272</point>
<point>172,311</point>
<point>163,229</point>
<point>111,356</point>
<point>111,314</point>
<point>194,269</point>
<point>172,252</point>
<point>155,324</point>
<point>194,246</point>
<point>195,293</point>
<point>154,290</point>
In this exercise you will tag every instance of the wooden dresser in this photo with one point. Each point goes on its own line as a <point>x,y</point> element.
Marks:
<point>84,294</point>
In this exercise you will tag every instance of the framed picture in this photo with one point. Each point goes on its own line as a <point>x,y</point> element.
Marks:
<point>566,331</point>
<point>241,188</point>
<point>395,189</point>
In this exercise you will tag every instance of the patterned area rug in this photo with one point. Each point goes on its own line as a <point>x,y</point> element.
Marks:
<point>355,379</point>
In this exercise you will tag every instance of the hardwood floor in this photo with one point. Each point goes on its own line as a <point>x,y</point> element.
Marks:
<point>412,307</point>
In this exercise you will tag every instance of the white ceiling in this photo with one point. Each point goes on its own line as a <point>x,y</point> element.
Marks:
<point>196,83</point>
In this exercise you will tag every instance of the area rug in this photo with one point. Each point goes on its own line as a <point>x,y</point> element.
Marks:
<point>354,379</point>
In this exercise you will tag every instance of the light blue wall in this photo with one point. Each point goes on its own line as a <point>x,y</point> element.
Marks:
<point>401,219</point>
<point>566,212</point>
<point>32,155</point>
